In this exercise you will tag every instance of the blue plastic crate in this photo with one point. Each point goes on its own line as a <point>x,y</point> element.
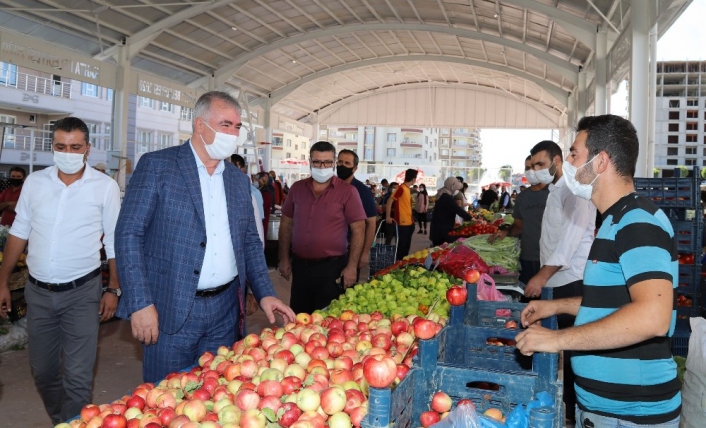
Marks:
<point>688,235</point>
<point>689,280</point>
<point>483,313</point>
<point>402,407</point>
<point>671,192</point>
<point>680,342</point>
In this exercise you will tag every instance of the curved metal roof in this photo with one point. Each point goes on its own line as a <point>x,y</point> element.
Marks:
<point>306,55</point>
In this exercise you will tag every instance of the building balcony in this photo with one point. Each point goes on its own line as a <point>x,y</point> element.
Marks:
<point>342,130</point>
<point>347,143</point>
<point>412,131</point>
<point>459,156</point>
<point>35,84</point>
<point>411,144</point>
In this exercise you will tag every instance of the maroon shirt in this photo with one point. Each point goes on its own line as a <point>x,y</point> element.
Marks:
<point>320,225</point>
<point>9,195</point>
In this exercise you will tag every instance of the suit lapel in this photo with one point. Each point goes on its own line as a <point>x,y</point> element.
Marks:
<point>230,186</point>
<point>187,167</point>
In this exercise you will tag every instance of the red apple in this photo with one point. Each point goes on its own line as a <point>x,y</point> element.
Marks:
<point>288,414</point>
<point>424,329</point>
<point>194,409</point>
<point>441,402</point>
<point>357,415</point>
<point>89,411</point>
<point>166,415</point>
<point>466,402</point>
<point>382,341</point>
<point>511,324</point>
<point>247,399</point>
<point>429,418</point>
<point>354,399</point>
<point>380,371</point>
<point>114,421</point>
<point>402,371</point>
<point>290,384</point>
<point>253,418</point>
<point>472,276</point>
<point>308,399</point>
<point>457,295</point>
<point>333,400</point>
<point>303,319</point>
<point>270,388</point>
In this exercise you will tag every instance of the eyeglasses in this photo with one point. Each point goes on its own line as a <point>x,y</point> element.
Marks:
<point>322,164</point>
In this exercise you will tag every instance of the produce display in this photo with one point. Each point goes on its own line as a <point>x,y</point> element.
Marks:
<point>312,373</point>
<point>473,228</point>
<point>405,291</point>
<point>504,253</point>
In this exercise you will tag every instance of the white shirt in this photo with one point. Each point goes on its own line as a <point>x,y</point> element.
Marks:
<point>258,224</point>
<point>568,228</point>
<point>64,224</point>
<point>219,261</point>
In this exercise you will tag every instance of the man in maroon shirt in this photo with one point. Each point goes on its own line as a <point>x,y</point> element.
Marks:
<point>10,196</point>
<point>315,218</point>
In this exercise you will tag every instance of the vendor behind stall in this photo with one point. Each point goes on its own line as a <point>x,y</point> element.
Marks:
<point>445,211</point>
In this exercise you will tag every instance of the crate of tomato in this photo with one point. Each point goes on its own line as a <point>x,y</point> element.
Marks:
<point>473,228</point>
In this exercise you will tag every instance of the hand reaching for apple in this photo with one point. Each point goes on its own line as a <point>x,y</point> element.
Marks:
<point>145,325</point>
<point>535,311</point>
<point>271,304</point>
<point>538,339</point>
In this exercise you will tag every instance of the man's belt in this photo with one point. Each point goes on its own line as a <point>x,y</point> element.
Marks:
<point>65,286</point>
<point>212,292</point>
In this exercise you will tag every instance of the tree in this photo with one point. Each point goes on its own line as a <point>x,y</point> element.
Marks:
<point>684,171</point>
<point>703,173</point>
<point>505,172</point>
<point>655,172</point>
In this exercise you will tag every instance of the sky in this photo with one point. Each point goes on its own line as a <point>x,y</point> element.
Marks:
<point>685,40</point>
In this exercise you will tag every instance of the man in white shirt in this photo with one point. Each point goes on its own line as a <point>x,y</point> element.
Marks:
<point>568,228</point>
<point>61,215</point>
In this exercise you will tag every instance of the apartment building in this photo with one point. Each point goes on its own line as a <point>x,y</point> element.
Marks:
<point>680,122</point>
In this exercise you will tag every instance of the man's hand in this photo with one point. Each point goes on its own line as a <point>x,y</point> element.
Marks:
<point>499,235</point>
<point>350,276</point>
<point>145,325</point>
<point>5,300</point>
<point>285,269</point>
<point>534,286</point>
<point>108,305</point>
<point>538,339</point>
<point>537,310</point>
<point>388,220</point>
<point>364,259</point>
<point>270,305</point>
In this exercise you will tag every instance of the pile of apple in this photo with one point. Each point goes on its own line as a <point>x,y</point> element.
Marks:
<point>411,290</point>
<point>309,374</point>
<point>441,404</point>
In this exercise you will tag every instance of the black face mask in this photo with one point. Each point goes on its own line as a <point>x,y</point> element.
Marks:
<point>15,182</point>
<point>343,172</point>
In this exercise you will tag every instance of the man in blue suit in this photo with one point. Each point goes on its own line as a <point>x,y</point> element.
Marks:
<point>186,243</point>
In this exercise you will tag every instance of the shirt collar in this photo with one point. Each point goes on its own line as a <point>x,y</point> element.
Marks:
<point>199,163</point>
<point>87,175</point>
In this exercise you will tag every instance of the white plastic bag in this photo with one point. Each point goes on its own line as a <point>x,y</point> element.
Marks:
<point>693,391</point>
<point>12,336</point>
<point>460,417</point>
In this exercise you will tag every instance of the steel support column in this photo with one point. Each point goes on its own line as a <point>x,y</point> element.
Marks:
<point>652,108</point>
<point>121,100</point>
<point>601,81</point>
<point>267,157</point>
<point>639,85</point>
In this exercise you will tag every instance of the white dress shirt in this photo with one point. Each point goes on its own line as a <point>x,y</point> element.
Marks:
<point>219,261</point>
<point>568,228</point>
<point>64,224</point>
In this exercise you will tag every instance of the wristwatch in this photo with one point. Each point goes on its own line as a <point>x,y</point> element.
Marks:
<point>115,291</point>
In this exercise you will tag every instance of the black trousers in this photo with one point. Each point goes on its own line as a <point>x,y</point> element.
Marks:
<point>572,289</point>
<point>404,240</point>
<point>314,283</point>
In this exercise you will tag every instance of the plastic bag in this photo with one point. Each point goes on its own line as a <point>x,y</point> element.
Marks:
<point>693,391</point>
<point>461,417</point>
<point>488,291</point>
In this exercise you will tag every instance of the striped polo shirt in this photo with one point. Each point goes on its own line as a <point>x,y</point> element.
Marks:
<point>637,383</point>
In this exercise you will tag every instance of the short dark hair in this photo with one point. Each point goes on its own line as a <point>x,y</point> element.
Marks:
<point>262,174</point>
<point>528,157</point>
<point>237,160</point>
<point>459,178</point>
<point>322,146</point>
<point>70,124</point>
<point>384,181</point>
<point>202,108</point>
<point>20,170</point>
<point>350,152</point>
<point>548,146</point>
<point>410,174</point>
<point>615,136</point>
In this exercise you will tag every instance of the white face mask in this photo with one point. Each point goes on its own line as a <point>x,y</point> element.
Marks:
<point>69,163</point>
<point>544,176</point>
<point>531,177</point>
<point>583,191</point>
<point>223,144</point>
<point>321,175</point>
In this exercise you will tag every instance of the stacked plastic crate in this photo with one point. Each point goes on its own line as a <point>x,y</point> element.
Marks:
<point>680,199</point>
<point>474,357</point>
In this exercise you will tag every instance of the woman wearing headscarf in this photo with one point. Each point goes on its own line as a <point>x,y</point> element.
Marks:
<point>421,208</point>
<point>445,211</point>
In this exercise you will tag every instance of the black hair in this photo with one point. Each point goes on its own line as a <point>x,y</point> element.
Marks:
<point>70,124</point>
<point>20,170</point>
<point>384,181</point>
<point>322,146</point>
<point>237,160</point>
<point>350,152</point>
<point>552,149</point>
<point>410,174</point>
<point>459,178</point>
<point>615,136</point>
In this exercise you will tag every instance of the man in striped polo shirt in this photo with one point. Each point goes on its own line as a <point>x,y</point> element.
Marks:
<point>625,375</point>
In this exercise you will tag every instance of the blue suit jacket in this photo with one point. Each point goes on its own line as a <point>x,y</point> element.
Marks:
<point>160,238</point>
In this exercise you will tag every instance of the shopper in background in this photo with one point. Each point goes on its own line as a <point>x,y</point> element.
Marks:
<point>278,190</point>
<point>185,245</point>
<point>390,228</point>
<point>257,202</point>
<point>421,208</point>
<point>10,196</point>
<point>625,374</point>
<point>346,167</point>
<point>263,180</point>
<point>568,227</point>
<point>100,166</point>
<point>489,196</point>
<point>402,200</point>
<point>505,202</point>
<point>443,218</point>
<point>314,228</point>
<point>61,215</point>
<point>528,213</point>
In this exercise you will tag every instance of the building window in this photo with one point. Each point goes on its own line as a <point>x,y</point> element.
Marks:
<point>444,152</point>
<point>108,94</point>
<point>673,139</point>
<point>164,141</point>
<point>166,106</point>
<point>674,103</point>
<point>690,151</point>
<point>8,74</point>
<point>391,138</point>
<point>288,155</point>
<point>391,152</point>
<point>89,90</point>
<point>144,141</point>
<point>444,142</point>
<point>371,169</point>
<point>692,126</point>
<point>671,162</point>
<point>303,145</point>
<point>277,141</point>
<point>368,153</point>
<point>146,102</point>
<point>691,138</point>
<point>369,138</point>
<point>692,114</point>
<point>303,157</point>
<point>673,127</point>
<point>187,114</point>
<point>692,102</point>
<point>672,151</point>
<point>689,162</point>
<point>289,143</point>
<point>673,115</point>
